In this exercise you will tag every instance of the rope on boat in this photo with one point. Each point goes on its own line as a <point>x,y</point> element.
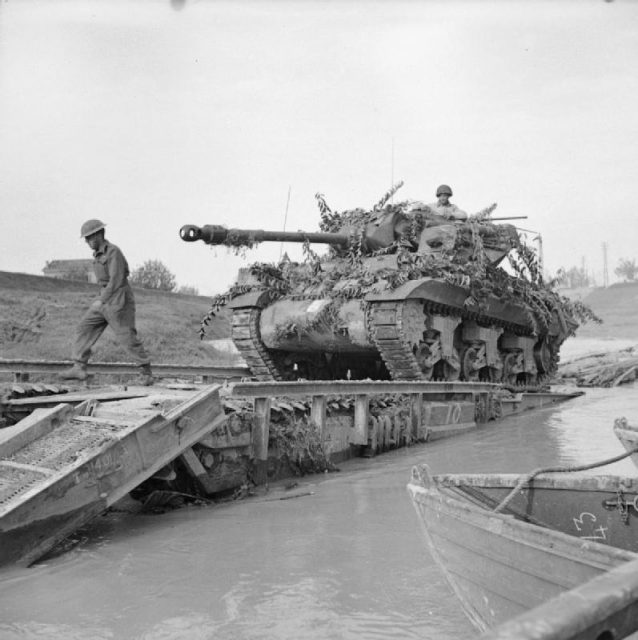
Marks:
<point>581,467</point>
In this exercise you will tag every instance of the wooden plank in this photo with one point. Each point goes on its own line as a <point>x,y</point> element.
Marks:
<point>260,434</point>
<point>318,414</point>
<point>23,367</point>
<point>196,470</point>
<point>34,426</point>
<point>77,397</point>
<point>261,422</point>
<point>344,387</point>
<point>26,467</point>
<point>361,419</point>
<point>105,420</point>
<point>416,415</point>
<point>604,607</point>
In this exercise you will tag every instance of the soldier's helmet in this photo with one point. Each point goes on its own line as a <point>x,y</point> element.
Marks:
<point>443,189</point>
<point>90,227</point>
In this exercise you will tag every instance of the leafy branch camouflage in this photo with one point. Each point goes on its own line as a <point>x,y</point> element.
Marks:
<point>343,275</point>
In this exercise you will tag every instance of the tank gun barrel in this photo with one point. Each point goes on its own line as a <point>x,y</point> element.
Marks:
<point>216,234</point>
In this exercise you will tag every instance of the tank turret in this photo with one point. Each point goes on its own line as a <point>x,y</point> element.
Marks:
<point>383,231</point>
<point>401,294</point>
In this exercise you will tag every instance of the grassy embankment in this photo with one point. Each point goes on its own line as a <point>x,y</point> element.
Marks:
<point>617,305</point>
<point>38,316</point>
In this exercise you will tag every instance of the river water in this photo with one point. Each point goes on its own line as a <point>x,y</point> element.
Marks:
<point>344,560</point>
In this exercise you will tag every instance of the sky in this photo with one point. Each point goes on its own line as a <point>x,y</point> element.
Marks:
<point>153,114</point>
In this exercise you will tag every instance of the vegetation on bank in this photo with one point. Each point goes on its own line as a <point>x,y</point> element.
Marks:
<point>38,316</point>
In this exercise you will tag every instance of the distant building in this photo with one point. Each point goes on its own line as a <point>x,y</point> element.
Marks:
<point>70,270</point>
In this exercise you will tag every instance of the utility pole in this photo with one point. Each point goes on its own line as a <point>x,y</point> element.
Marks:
<point>583,271</point>
<point>605,270</point>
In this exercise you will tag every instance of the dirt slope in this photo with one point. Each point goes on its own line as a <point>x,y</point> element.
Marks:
<point>38,316</point>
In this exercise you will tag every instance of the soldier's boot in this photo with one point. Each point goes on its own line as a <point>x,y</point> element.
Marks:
<point>76,372</point>
<point>145,377</point>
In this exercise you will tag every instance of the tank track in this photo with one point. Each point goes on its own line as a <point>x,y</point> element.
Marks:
<point>247,338</point>
<point>386,326</point>
<point>385,322</point>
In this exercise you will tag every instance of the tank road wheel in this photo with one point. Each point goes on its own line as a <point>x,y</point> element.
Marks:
<point>512,366</point>
<point>423,355</point>
<point>448,369</point>
<point>469,361</point>
<point>543,356</point>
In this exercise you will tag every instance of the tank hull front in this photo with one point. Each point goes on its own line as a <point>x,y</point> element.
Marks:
<point>311,326</point>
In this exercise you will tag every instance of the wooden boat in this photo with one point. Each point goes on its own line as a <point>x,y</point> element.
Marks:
<point>555,533</point>
<point>60,467</point>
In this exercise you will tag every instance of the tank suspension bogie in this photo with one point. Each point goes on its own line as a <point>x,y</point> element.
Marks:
<point>448,364</point>
<point>480,357</point>
<point>473,360</point>
<point>519,363</point>
<point>513,366</point>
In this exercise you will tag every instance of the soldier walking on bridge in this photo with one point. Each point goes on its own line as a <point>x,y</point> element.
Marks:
<point>115,307</point>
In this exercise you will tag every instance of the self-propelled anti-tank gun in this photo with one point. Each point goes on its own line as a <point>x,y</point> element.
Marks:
<point>396,298</point>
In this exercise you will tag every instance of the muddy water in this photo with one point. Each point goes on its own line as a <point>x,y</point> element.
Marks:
<point>343,560</point>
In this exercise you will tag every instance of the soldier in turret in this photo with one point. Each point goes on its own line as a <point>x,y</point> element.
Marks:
<point>444,207</point>
<point>440,235</point>
<point>115,307</point>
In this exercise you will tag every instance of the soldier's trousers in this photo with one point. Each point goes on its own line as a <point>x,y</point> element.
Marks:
<point>120,316</point>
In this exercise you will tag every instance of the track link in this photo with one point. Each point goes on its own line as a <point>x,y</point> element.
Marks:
<point>385,324</point>
<point>247,338</point>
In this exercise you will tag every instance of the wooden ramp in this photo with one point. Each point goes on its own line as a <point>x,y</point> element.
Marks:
<point>59,467</point>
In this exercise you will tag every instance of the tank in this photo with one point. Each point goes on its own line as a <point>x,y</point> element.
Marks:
<point>401,294</point>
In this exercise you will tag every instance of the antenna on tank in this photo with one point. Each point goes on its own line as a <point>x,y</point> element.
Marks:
<point>392,170</point>
<point>281,251</point>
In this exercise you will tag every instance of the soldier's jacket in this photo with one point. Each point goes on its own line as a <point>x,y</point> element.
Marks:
<point>111,271</point>
<point>450,211</point>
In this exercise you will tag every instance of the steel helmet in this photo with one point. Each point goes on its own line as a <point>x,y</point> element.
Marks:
<point>90,227</point>
<point>443,189</point>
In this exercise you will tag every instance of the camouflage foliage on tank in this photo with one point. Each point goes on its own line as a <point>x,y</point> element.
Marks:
<point>401,293</point>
